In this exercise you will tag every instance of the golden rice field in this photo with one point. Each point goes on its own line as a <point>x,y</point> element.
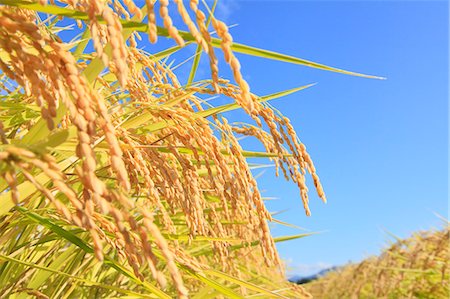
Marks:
<point>120,181</point>
<point>417,267</point>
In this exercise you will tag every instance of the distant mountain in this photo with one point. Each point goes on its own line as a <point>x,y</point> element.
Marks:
<point>305,279</point>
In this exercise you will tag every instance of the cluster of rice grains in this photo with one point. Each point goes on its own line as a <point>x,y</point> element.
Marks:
<point>165,175</point>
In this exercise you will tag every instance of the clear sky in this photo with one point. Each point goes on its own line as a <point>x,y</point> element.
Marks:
<point>380,147</point>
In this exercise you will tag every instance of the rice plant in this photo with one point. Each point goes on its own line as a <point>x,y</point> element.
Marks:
<point>118,180</point>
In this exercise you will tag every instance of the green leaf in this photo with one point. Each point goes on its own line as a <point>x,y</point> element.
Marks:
<point>242,283</point>
<point>88,249</point>
<point>164,53</point>
<point>247,154</point>
<point>208,250</point>
<point>195,63</point>
<point>293,237</point>
<point>287,224</point>
<point>143,118</point>
<point>40,130</point>
<point>43,274</point>
<point>229,293</point>
<point>234,106</point>
<point>239,48</point>
<point>56,229</point>
<point>199,49</point>
<point>85,37</point>
<point>26,188</point>
<point>221,109</point>
<point>276,240</point>
<point>82,280</point>
<point>53,140</point>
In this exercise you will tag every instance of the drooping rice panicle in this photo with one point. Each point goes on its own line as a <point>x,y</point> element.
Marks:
<point>147,193</point>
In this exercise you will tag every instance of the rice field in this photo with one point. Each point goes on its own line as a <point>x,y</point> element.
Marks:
<point>416,267</point>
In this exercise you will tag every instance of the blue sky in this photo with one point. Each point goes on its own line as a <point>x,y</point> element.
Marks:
<point>380,146</point>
